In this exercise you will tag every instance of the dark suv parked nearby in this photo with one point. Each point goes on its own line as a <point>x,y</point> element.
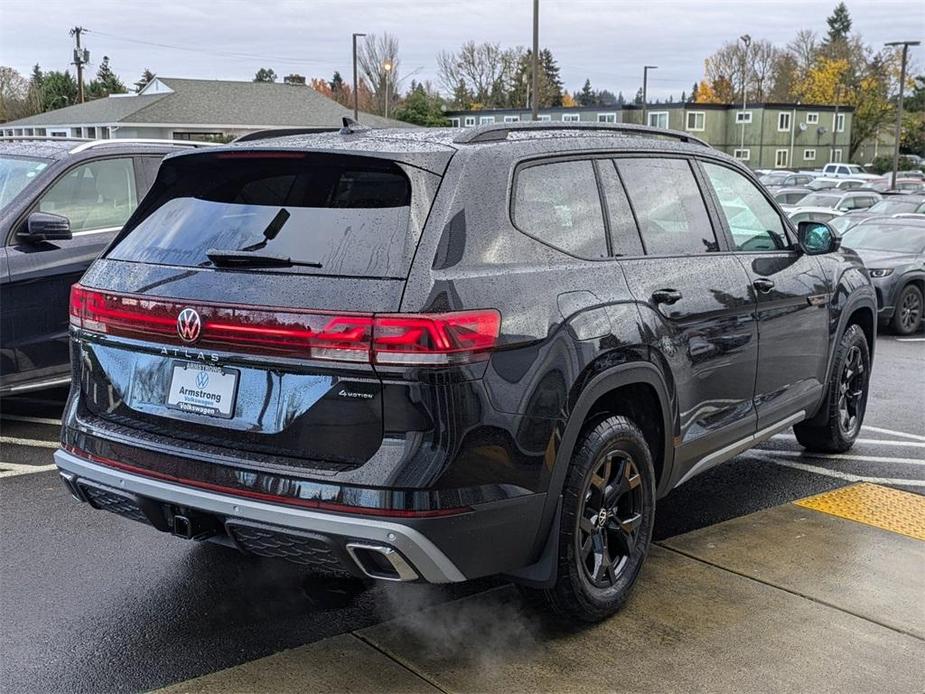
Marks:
<point>443,354</point>
<point>62,201</point>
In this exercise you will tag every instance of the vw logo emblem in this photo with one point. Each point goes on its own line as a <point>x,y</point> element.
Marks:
<point>189,325</point>
<point>202,379</point>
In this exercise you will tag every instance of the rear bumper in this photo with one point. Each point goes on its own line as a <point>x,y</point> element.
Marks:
<point>491,538</point>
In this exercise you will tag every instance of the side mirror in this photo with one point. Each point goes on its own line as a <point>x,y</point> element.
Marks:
<point>44,226</point>
<point>816,238</point>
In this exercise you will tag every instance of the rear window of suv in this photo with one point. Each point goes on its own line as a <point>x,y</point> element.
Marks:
<point>349,215</point>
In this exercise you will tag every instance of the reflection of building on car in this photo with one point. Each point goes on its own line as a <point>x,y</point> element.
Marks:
<point>61,202</point>
<point>448,354</point>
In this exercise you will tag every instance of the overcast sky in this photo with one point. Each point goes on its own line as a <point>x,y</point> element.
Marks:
<point>605,40</point>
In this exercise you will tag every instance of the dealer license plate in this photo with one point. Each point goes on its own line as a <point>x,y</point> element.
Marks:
<point>201,389</point>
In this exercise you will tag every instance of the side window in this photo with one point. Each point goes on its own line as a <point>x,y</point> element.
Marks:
<point>97,195</point>
<point>672,217</point>
<point>752,220</point>
<point>624,235</point>
<point>559,204</point>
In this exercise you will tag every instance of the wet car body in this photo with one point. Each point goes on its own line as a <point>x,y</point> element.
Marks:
<point>454,472</point>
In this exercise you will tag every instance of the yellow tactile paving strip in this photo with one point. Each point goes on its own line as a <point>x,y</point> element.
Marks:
<point>882,507</point>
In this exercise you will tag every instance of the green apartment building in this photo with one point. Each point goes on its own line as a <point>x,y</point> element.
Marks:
<point>763,136</point>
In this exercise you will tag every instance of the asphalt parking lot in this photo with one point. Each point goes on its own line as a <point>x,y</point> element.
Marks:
<point>91,602</point>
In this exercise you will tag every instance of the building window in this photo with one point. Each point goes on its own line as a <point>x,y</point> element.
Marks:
<point>606,117</point>
<point>658,119</point>
<point>743,116</point>
<point>696,120</point>
<point>783,122</point>
<point>836,155</point>
<point>198,136</point>
<point>454,122</point>
<point>781,158</point>
<point>486,120</point>
<point>512,119</point>
<point>809,155</point>
<point>812,118</point>
<point>545,117</point>
<point>742,154</point>
<point>571,117</point>
<point>469,121</point>
<point>840,123</point>
<point>59,133</point>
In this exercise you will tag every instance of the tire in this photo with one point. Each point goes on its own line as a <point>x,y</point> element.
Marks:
<point>611,460</point>
<point>846,401</point>
<point>907,317</point>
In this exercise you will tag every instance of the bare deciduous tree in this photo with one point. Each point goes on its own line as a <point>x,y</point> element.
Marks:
<point>485,69</point>
<point>379,63</point>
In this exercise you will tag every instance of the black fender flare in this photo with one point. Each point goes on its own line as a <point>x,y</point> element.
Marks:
<point>542,573</point>
<point>857,300</point>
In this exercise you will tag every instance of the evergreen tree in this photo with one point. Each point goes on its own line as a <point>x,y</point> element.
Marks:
<point>621,100</point>
<point>462,97</point>
<point>265,75</point>
<point>638,98</point>
<point>551,85</point>
<point>37,77</point>
<point>605,97</point>
<point>683,97</point>
<point>693,98</point>
<point>59,89</point>
<point>146,77</point>
<point>839,24</point>
<point>106,82</point>
<point>421,108</point>
<point>586,97</point>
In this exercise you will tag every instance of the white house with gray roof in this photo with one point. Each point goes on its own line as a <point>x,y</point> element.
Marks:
<point>187,109</point>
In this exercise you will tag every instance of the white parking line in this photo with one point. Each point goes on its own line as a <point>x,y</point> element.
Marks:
<point>13,470</point>
<point>873,442</point>
<point>31,420</point>
<point>846,456</point>
<point>838,474</point>
<point>893,432</point>
<point>34,443</point>
<point>910,339</point>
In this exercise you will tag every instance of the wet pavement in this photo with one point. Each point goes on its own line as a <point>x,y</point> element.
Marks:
<point>91,602</point>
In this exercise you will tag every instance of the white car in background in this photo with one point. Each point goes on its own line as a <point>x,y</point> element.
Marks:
<point>829,182</point>
<point>839,170</point>
<point>825,205</point>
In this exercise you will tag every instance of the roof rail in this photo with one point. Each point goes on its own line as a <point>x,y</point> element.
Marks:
<point>500,132</point>
<point>281,132</point>
<point>139,141</point>
<point>52,138</point>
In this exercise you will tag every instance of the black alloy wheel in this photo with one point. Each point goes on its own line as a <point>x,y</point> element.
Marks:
<point>909,311</point>
<point>609,519</point>
<point>851,392</point>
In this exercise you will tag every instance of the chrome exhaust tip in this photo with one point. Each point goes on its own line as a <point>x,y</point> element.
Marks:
<point>381,562</point>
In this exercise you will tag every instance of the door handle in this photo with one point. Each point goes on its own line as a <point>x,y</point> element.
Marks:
<point>763,285</point>
<point>666,296</point>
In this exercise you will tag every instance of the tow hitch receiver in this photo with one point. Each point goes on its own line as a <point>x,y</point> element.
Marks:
<point>192,525</point>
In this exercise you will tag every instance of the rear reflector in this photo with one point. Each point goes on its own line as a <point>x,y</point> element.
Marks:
<point>397,339</point>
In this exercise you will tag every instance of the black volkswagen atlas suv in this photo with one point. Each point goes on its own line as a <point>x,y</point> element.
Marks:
<point>442,354</point>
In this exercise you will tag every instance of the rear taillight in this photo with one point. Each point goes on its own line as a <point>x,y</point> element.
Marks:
<point>393,339</point>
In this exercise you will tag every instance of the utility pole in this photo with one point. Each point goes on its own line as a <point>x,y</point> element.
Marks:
<point>746,41</point>
<point>645,89</point>
<point>81,58</point>
<point>899,106</point>
<point>356,84</point>
<point>535,77</point>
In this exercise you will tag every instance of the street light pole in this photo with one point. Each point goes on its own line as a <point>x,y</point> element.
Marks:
<point>645,87</point>
<point>747,41</point>
<point>356,85</point>
<point>535,77</point>
<point>387,66</point>
<point>899,107</point>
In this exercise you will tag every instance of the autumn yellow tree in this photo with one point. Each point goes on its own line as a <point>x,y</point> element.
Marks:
<point>706,94</point>
<point>568,101</point>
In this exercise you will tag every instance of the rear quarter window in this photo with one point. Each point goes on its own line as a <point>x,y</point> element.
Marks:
<point>559,204</point>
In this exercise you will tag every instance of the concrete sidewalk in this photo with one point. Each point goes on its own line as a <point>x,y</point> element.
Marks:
<point>787,599</point>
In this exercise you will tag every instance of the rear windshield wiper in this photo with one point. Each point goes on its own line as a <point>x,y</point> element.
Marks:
<point>244,258</point>
<point>248,257</point>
